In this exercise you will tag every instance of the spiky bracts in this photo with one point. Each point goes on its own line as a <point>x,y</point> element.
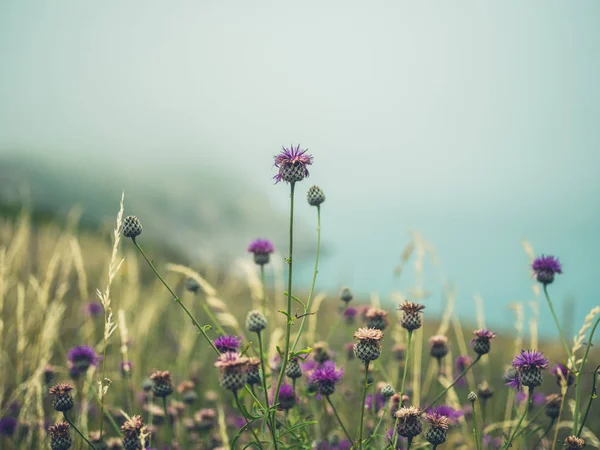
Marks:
<point>132,227</point>
<point>438,346</point>
<point>411,319</point>
<point>481,341</point>
<point>293,369</point>
<point>135,434</point>
<point>60,439</point>
<point>387,391</point>
<point>563,374</point>
<point>163,385</point>
<point>409,421</point>
<point>529,365</point>
<point>438,428</point>
<point>545,267</point>
<point>368,347</point>
<point>552,408</point>
<point>315,196</point>
<point>292,164</point>
<point>62,398</point>
<point>234,370</point>
<point>256,321</point>
<point>253,370</point>
<point>261,249</point>
<point>326,376</point>
<point>376,318</point>
<point>574,443</point>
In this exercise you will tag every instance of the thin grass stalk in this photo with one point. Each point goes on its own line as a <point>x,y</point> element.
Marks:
<point>77,430</point>
<point>441,394</point>
<point>578,379</point>
<point>362,404</point>
<point>560,331</point>
<point>242,411</point>
<point>475,432</point>
<point>408,344</point>
<point>338,418</point>
<point>526,409</point>
<point>270,419</point>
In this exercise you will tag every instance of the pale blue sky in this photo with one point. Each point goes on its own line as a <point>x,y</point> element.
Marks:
<point>475,122</point>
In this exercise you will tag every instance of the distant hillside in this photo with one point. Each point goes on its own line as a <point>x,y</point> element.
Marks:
<point>198,211</point>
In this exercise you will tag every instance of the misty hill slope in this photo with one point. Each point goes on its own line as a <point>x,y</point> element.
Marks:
<point>197,211</point>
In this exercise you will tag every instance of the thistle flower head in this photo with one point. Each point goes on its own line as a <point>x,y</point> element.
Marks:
<point>437,420</point>
<point>161,376</point>
<point>292,164</point>
<point>134,427</point>
<point>511,379</point>
<point>350,313</point>
<point>315,196</point>
<point>185,386</point>
<point>227,343</point>
<point>93,309</point>
<point>346,295</point>
<point>462,362</point>
<point>326,376</point>
<point>287,398</point>
<point>8,426</point>
<point>368,334</point>
<point>483,334</point>
<point>375,312</point>
<point>132,227</point>
<point>410,307</point>
<point>60,389</point>
<point>472,397</point>
<point>82,357</point>
<point>447,411</point>
<point>529,359</point>
<point>407,412</point>
<point>261,247</point>
<point>545,267</point>
<point>126,367</point>
<point>574,443</point>
<point>59,430</point>
<point>231,360</point>
<point>438,340</point>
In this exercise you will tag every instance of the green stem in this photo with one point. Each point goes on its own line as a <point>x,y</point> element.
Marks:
<point>562,336</point>
<point>337,324</point>
<point>545,433</point>
<point>535,416</point>
<point>269,420</point>
<point>579,375</point>
<point>264,290</point>
<point>314,280</point>
<point>288,328</point>
<point>151,400</point>
<point>593,395</point>
<point>475,433</point>
<point>368,441</point>
<point>362,404</point>
<point>77,430</point>
<point>410,441</point>
<point>176,298</point>
<point>441,394</point>
<point>212,317</point>
<point>103,374</point>
<point>338,418</point>
<point>107,414</point>
<point>525,410</point>
<point>168,420</point>
<point>242,412</point>
<point>406,361</point>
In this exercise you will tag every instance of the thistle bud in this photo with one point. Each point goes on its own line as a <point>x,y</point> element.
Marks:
<point>132,227</point>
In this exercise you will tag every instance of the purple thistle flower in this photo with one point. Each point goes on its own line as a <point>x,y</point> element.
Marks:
<point>545,267</point>
<point>537,399</point>
<point>82,357</point>
<point>8,425</point>
<point>379,402</point>
<point>126,367</point>
<point>261,249</point>
<point>292,163</point>
<point>350,312</point>
<point>561,372</point>
<point>227,343</point>
<point>326,377</point>
<point>462,362</point>
<point>93,309</point>
<point>287,398</point>
<point>444,410</point>
<point>529,359</point>
<point>511,379</point>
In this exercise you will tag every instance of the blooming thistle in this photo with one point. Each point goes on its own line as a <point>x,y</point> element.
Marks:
<point>8,426</point>
<point>563,374</point>
<point>552,408</point>
<point>376,402</point>
<point>82,357</point>
<point>253,368</point>
<point>409,421</point>
<point>326,377</point>
<point>60,439</point>
<point>287,398</point>
<point>234,370</point>
<point>63,400</point>
<point>315,196</point>
<point>368,347</point>
<point>350,315</point>
<point>411,320</point>
<point>256,321</point>
<point>261,249</point>
<point>545,267</point>
<point>227,343</point>
<point>132,227</point>
<point>438,347</point>
<point>346,295</point>
<point>481,341</point>
<point>93,309</point>
<point>376,318</point>
<point>163,386</point>
<point>438,428</point>
<point>529,365</point>
<point>136,435</point>
<point>511,378</point>
<point>574,443</point>
<point>292,163</point>
<point>452,414</point>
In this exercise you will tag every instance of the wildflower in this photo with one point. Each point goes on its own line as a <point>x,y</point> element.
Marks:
<point>387,391</point>
<point>82,357</point>
<point>132,227</point>
<point>452,414</point>
<point>574,443</point>
<point>315,196</point>
<point>472,397</point>
<point>484,391</point>
<point>8,426</point>
<point>234,370</point>
<point>368,347</point>
<point>227,343</point>
<point>135,434</point>
<point>192,285</point>
<point>438,428</point>
<point>350,315</point>
<point>187,391</point>
<point>346,295</point>
<point>256,321</point>
<point>376,318</point>
<point>326,377</point>
<point>293,369</point>
<point>63,400</point>
<point>261,249</point>
<point>395,403</point>
<point>552,409</point>
<point>126,367</point>
<point>529,365</point>
<point>411,320</point>
<point>563,374</point>
<point>545,267</point>
<point>438,347</point>
<point>409,422</point>
<point>253,368</point>
<point>511,379</point>
<point>163,385</point>
<point>292,163</point>
<point>287,398</point>
<point>60,439</point>
<point>93,309</point>
<point>376,402</point>
<point>481,341</point>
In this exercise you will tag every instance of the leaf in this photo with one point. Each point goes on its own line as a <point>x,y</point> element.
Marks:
<point>245,349</point>
<point>298,427</point>
<point>239,433</point>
